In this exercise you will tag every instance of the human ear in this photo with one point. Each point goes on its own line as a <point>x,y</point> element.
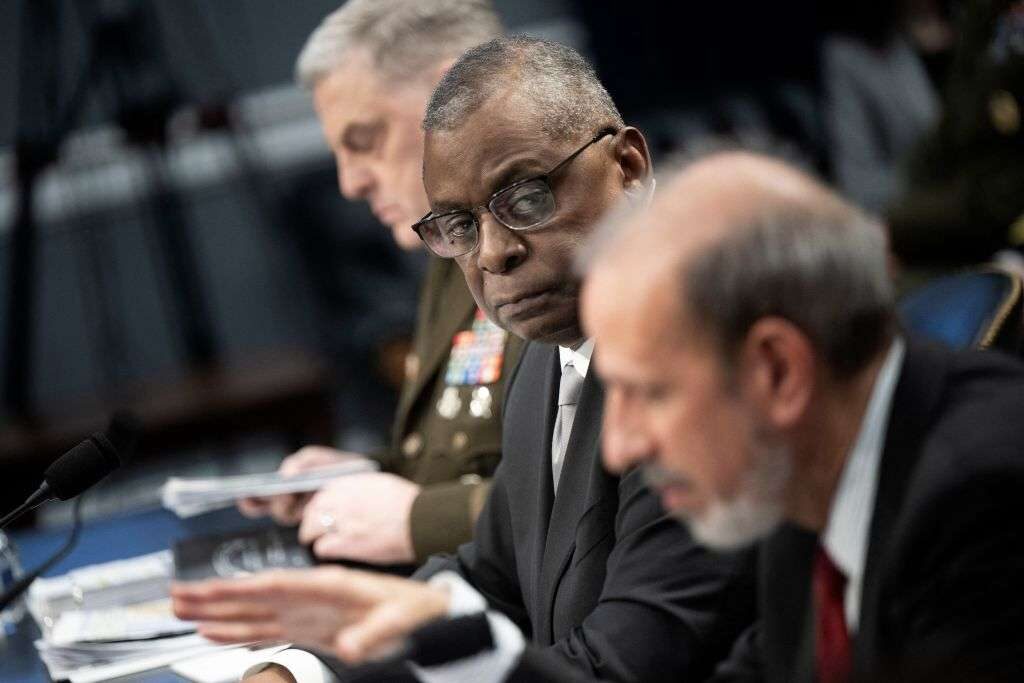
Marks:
<point>776,371</point>
<point>634,161</point>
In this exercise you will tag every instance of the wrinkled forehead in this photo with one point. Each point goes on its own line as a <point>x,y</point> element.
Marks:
<point>494,146</point>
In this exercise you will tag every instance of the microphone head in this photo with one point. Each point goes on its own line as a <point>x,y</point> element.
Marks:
<point>93,459</point>
<point>123,434</point>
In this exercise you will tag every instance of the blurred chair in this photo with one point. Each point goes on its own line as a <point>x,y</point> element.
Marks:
<point>979,308</point>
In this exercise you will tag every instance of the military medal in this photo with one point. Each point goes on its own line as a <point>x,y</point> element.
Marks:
<point>477,354</point>
<point>450,404</point>
<point>480,403</point>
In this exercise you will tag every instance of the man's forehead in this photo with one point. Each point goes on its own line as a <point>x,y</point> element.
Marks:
<point>489,150</point>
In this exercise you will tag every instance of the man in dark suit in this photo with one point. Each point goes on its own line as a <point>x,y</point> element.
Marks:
<point>524,153</point>
<point>754,367</point>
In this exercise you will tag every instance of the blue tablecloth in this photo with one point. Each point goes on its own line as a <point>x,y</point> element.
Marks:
<point>102,541</point>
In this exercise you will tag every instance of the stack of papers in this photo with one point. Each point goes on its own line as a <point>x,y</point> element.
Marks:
<point>113,619</point>
<point>189,497</point>
<point>110,584</point>
<point>88,662</point>
<point>142,621</point>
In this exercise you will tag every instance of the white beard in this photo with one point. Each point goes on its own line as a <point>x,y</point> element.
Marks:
<point>755,512</point>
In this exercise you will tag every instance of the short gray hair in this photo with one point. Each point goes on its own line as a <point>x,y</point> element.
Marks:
<point>555,79</point>
<point>402,37</point>
<point>821,265</point>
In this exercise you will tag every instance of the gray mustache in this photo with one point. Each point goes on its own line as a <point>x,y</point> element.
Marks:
<point>657,477</point>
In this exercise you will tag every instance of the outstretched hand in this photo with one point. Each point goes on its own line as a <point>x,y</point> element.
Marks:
<point>354,615</point>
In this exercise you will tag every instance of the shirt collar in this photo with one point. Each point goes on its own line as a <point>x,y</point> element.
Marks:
<point>578,358</point>
<point>849,520</point>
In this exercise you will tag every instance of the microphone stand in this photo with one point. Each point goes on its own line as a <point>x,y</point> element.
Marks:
<point>22,584</point>
<point>42,495</point>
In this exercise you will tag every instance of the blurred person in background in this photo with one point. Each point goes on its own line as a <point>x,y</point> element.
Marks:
<point>879,101</point>
<point>371,66</point>
<point>964,198</point>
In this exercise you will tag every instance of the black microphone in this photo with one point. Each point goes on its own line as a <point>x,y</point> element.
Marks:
<point>84,465</point>
<point>71,474</point>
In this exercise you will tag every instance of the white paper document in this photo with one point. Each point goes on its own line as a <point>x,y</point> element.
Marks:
<point>141,621</point>
<point>189,497</point>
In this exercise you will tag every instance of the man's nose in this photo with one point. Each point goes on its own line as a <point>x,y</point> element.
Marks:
<point>624,443</point>
<point>354,180</point>
<point>500,249</point>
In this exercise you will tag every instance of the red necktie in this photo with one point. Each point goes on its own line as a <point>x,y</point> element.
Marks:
<point>832,641</point>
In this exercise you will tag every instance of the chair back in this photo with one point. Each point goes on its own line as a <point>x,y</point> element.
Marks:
<point>980,308</point>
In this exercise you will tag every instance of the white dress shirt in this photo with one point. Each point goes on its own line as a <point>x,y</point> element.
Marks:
<point>845,538</point>
<point>578,358</point>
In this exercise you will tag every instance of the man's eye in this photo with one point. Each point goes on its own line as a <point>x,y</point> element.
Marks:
<point>529,203</point>
<point>360,139</point>
<point>653,393</point>
<point>458,227</point>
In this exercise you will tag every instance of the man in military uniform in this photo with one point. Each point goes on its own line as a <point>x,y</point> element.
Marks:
<point>965,200</point>
<point>371,67</point>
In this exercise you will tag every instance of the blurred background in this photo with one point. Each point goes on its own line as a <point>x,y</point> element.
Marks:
<point>172,239</point>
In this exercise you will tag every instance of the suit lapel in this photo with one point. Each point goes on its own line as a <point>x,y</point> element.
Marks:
<point>529,423</point>
<point>918,392</point>
<point>786,606</point>
<point>579,490</point>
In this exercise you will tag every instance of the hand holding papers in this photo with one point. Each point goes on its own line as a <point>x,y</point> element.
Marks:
<point>189,497</point>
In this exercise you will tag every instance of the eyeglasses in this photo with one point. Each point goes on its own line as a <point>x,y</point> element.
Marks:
<point>520,206</point>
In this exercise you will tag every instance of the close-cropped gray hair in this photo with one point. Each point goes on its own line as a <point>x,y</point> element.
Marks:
<point>822,267</point>
<point>556,81</point>
<point>402,37</point>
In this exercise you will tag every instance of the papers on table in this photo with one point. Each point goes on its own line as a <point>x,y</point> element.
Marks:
<point>121,582</point>
<point>141,621</point>
<point>89,662</point>
<point>111,619</point>
<point>189,497</point>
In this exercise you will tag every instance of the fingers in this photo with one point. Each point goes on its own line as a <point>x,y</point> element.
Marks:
<point>287,509</point>
<point>311,457</point>
<point>325,506</point>
<point>262,586</point>
<point>311,527</point>
<point>331,547</point>
<point>253,507</point>
<point>235,611</point>
<point>401,607</point>
<point>229,632</point>
<point>381,630</point>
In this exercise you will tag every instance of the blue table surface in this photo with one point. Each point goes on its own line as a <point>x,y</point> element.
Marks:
<point>102,541</point>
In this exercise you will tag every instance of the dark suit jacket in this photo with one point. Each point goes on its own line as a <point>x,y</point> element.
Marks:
<point>943,597</point>
<point>943,593</point>
<point>597,574</point>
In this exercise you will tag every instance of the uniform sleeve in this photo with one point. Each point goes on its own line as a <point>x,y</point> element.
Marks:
<point>443,516</point>
<point>488,562</point>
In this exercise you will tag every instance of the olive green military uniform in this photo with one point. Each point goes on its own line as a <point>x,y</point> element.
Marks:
<point>965,197</point>
<point>447,430</point>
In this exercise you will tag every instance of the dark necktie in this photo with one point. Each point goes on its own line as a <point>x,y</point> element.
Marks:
<point>832,640</point>
<point>568,396</point>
